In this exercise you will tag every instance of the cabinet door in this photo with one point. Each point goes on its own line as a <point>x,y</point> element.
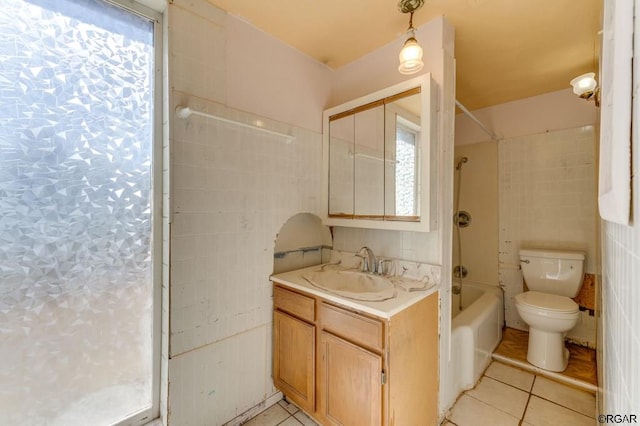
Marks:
<point>294,359</point>
<point>351,385</point>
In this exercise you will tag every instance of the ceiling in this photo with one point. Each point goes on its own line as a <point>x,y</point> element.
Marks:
<point>505,49</point>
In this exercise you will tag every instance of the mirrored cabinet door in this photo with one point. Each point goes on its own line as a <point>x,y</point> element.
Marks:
<point>377,153</point>
<point>369,163</point>
<point>341,173</point>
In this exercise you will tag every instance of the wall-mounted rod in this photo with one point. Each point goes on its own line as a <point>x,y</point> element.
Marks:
<point>184,112</point>
<point>475,120</point>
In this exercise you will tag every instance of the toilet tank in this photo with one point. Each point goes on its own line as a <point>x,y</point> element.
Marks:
<point>553,271</point>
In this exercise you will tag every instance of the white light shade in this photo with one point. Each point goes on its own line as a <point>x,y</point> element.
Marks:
<point>584,84</point>
<point>410,57</point>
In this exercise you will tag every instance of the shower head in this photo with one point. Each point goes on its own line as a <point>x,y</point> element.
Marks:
<point>461,162</point>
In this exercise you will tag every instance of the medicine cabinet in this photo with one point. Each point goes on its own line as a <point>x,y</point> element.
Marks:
<point>377,159</point>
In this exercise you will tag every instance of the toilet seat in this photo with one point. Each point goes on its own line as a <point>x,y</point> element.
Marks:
<point>547,304</point>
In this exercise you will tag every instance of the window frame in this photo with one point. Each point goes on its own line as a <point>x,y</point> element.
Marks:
<point>410,127</point>
<point>157,190</point>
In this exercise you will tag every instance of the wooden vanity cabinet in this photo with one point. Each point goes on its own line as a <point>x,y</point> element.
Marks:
<point>350,367</point>
<point>366,370</point>
<point>294,347</point>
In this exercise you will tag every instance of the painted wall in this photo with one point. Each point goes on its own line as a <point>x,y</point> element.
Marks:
<point>538,114</point>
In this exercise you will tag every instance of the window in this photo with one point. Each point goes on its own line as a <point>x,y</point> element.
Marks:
<point>407,134</point>
<point>78,213</point>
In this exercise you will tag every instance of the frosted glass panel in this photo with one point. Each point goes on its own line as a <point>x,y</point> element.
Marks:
<point>405,171</point>
<point>75,212</point>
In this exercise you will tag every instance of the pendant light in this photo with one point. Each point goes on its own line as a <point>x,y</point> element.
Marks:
<point>411,54</point>
<point>586,87</point>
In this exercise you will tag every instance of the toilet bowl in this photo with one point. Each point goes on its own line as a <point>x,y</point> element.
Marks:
<point>549,318</point>
<point>553,278</point>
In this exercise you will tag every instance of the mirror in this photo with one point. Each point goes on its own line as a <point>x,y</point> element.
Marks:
<point>376,159</point>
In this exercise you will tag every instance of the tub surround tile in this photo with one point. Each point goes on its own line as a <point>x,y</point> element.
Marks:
<point>468,410</point>
<point>575,399</point>
<point>504,397</point>
<point>541,412</point>
<point>510,375</point>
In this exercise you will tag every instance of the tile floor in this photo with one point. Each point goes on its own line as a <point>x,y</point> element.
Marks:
<point>504,396</point>
<point>507,395</point>
<point>281,414</point>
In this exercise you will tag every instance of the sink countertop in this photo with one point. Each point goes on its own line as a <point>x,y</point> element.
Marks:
<point>385,308</point>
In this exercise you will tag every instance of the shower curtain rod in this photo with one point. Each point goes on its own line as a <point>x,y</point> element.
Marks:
<point>475,120</point>
<point>184,112</point>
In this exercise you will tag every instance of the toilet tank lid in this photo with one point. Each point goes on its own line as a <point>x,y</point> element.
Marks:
<point>555,254</point>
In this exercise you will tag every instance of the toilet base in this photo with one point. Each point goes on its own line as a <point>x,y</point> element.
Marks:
<point>547,351</point>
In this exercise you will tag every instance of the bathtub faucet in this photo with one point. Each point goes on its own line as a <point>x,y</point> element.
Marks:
<point>368,260</point>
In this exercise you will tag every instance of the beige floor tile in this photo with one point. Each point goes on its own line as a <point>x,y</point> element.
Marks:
<point>468,411</point>
<point>567,396</point>
<point>270,417</point>
<point>541,412</point>
<point>291,421</point>
<point>304,419</point>
<point>502,396</point>
<point>510,375</point>
<point>291,408</point>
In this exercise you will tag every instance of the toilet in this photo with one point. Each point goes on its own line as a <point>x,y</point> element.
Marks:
<point>553,278</point>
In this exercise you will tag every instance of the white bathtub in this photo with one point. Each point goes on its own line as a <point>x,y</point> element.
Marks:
<point>475,332</point>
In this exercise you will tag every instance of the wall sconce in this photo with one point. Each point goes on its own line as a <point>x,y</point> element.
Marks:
<point>411,54</point>
<point>586,87</point>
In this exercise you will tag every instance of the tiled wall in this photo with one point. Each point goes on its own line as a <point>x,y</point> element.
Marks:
<point>619,341</point>
<point>232,189</point>
<point>547,199</point>
<point>477,182</point>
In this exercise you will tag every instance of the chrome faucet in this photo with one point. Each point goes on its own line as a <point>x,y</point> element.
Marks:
<point>369,263</point>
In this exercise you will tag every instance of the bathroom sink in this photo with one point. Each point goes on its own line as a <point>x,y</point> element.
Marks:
<point>353,284</point>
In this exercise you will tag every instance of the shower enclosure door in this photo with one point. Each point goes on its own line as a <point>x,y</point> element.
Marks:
<point>77,213</point>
